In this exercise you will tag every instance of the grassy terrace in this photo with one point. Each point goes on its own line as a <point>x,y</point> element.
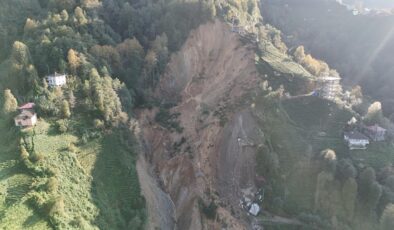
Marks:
<point>281,62</point>
<point>15,213</point>
<point>281,69</point>
<point>97,182</point>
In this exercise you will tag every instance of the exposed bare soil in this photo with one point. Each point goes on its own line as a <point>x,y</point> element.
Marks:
<point>211,79</point>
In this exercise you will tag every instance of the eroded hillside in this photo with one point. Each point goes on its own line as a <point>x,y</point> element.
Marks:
<point>211,80</point>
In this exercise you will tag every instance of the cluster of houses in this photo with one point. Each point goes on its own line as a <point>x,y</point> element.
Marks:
<point>359,136</point>
<point>27,116</point>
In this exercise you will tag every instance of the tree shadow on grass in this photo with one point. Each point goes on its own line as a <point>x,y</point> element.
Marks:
<point>31,221</point>
<point>115,187</point>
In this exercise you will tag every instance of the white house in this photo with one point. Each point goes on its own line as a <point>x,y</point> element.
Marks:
<point>27,117</point>
<point>356,140</point>
<point>56,80</point>
<point>328,86</point>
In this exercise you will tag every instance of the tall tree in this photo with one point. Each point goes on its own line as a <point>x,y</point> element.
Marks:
<point>374,114</point>
<point>66,113</point>
<point>73,60</point>
<point>20,53</point>
<point>369,189</point>
<point>387,219</point>
<point>10,103</point>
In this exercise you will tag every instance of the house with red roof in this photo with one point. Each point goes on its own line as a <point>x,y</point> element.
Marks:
<point>27,116</point>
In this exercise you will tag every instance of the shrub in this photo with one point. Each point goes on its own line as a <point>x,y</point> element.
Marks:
<point>36,200</point>
<point>65,109</point>
<point>168,120</point>
<point>209,210</point>
<point>72,148</point>
<point>84,138</point>
<point>98,124</point>
<point>56,207</point>
<point>37,157</point>
<point>23,153</point>
<point>62,126</point>
<point>52,184</point>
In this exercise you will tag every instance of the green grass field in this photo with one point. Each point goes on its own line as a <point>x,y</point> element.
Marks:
<point>315,116</point>
<point>15,213</point>
<point>97,182</point>
<point>281,62</point>
<point>378,155</point>
<point>281,69</point>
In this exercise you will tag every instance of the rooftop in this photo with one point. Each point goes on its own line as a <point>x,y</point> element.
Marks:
<point>356,135</point>
<point>375,128</point>
<point>57,75</point>
<point>328,78</point>
<point>29,105</point>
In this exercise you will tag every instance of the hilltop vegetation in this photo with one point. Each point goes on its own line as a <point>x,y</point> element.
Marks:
<point>359,47</point>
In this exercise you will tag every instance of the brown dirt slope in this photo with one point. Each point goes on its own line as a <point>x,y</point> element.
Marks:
<point>211,79</point>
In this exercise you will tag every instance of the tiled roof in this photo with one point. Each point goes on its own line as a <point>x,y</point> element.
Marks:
<point>29,105</point>
<point>375,128</point>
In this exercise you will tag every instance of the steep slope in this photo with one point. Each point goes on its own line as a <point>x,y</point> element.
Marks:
<point>233,124</point>
<point>210,79</point>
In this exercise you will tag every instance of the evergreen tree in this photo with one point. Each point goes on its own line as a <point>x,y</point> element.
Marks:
<point>73,60</point>
<point>387,219</point>
<point>71,99</point>
<point>10,103</point>
<point>375,113</point>
<point>20,53</point>
<point>349,197</point>
<point>369,189</point>
<point>299,54</point>
<point>66,113</point>
<point>80,16</point>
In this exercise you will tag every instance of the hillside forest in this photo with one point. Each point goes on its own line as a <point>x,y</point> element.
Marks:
<point>132,69</point>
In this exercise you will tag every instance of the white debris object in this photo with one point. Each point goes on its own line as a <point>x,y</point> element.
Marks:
<point>254,209</point>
